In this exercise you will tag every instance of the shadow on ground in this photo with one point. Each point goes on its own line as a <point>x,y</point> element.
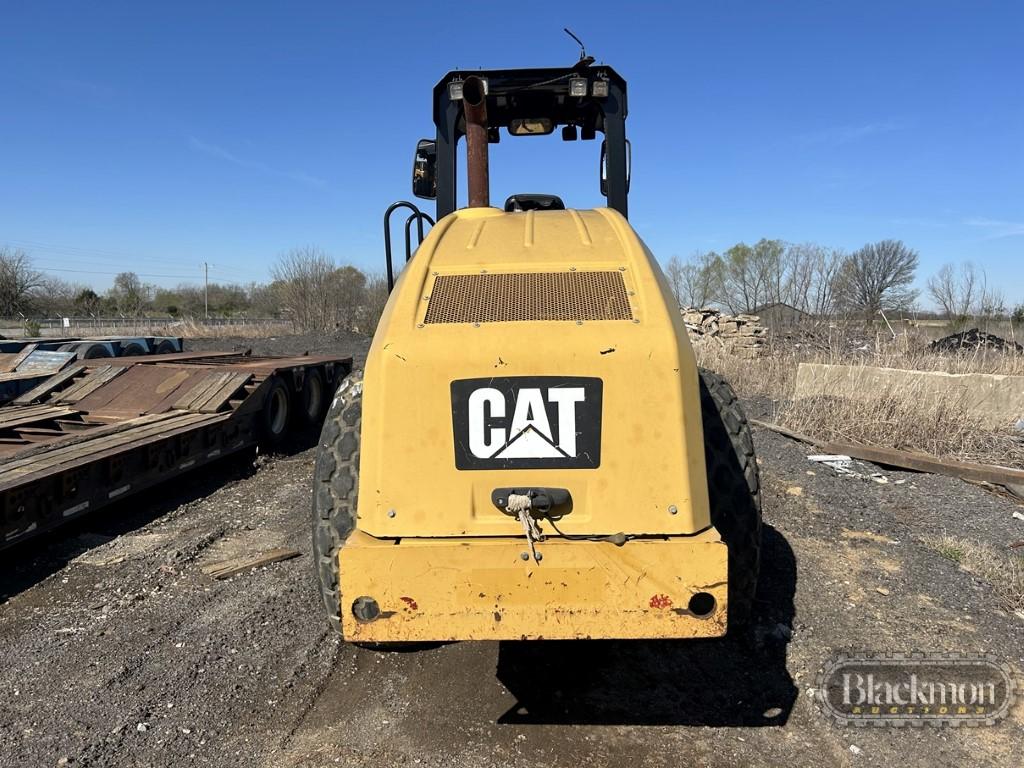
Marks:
<point>740,681</point>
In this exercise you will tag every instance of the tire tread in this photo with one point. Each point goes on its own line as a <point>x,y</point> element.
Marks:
<point>336,489</point>
<point>734,490</point>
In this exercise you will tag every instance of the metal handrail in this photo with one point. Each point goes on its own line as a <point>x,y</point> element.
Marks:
<point>419,217</point>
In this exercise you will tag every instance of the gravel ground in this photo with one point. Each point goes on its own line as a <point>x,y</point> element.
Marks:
<point>117,650</point>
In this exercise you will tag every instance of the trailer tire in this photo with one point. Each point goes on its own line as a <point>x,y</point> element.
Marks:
<point>165,347</point>
<point>276,414</point>
<point>336,489</point>
<point>311,400</point>
<point>132,350</point>
<point>94,351</point>
<point>734,490</point>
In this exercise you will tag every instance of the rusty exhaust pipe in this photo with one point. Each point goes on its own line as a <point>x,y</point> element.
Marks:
<point>474,102</point>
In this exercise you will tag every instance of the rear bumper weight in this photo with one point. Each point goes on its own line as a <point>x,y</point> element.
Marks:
<point>483,589</point>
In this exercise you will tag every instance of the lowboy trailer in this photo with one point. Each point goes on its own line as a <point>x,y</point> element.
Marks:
<point>102,430</point>
<point>24,363</point>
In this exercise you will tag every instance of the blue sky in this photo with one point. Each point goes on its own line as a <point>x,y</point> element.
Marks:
<point>154,137</point>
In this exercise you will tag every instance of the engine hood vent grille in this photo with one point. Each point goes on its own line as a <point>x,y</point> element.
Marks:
<point>528,296</point>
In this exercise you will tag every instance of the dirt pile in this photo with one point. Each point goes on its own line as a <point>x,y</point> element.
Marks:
<point>313,343</point>
<point>742,335</point>
<point>973,340</point>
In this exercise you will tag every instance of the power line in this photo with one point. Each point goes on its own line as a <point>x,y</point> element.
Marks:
<point>92,253</point>
<point>125,265</point>
<point>97,272</point>
<point>224,275</point>
<point>81,248</point>
<point>231,274</point>
<point>119,262</point>
<point>102,262</point>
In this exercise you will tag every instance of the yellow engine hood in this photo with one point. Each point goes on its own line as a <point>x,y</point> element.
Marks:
<point>494,296</point>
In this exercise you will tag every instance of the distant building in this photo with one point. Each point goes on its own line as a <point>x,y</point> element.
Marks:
<point>780,315</point>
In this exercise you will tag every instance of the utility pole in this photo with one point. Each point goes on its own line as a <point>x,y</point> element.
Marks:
<point>206,290</point>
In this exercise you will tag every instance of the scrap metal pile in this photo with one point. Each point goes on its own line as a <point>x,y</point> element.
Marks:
<point>973,340</point>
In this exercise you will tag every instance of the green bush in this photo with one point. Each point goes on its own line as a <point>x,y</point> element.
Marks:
<point>32,329</point>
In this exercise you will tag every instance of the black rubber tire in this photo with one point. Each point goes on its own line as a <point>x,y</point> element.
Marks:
<point>274,426</point>
<point>132,350</point>
<point>734,488</point>
<point>311,400</point>
<point>336,489</point>
<point>94,352</point>
<point>165,347</point>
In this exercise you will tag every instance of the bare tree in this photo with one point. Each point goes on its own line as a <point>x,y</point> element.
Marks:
<point>752,276</point>
<point>305,278</point>
<point>810,278</point>
<point>991,302</point>
<point>702,279</point>
<point>955,291</point>
<point>740,287</point>
<point>57,297</point>
<point>349,296</point>
<point>674,272</point>
<point>19,282</point>
<point>965,294</point>
<point>878,276</point>
<point>376,298</point>
<point>130,294</point>
<point>770,266</point>
<point>827,268</point>
<point>694,282</point>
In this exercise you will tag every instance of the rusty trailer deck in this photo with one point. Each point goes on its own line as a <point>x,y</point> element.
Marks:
<point>24,363</point>
<point>105,429</point>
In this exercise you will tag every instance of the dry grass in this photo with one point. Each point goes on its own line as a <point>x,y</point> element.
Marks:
<point>898,418</point>
<point>1003,569</point>
<point>772,376</point>
<point>903,419</point>
<point>161,327</point>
